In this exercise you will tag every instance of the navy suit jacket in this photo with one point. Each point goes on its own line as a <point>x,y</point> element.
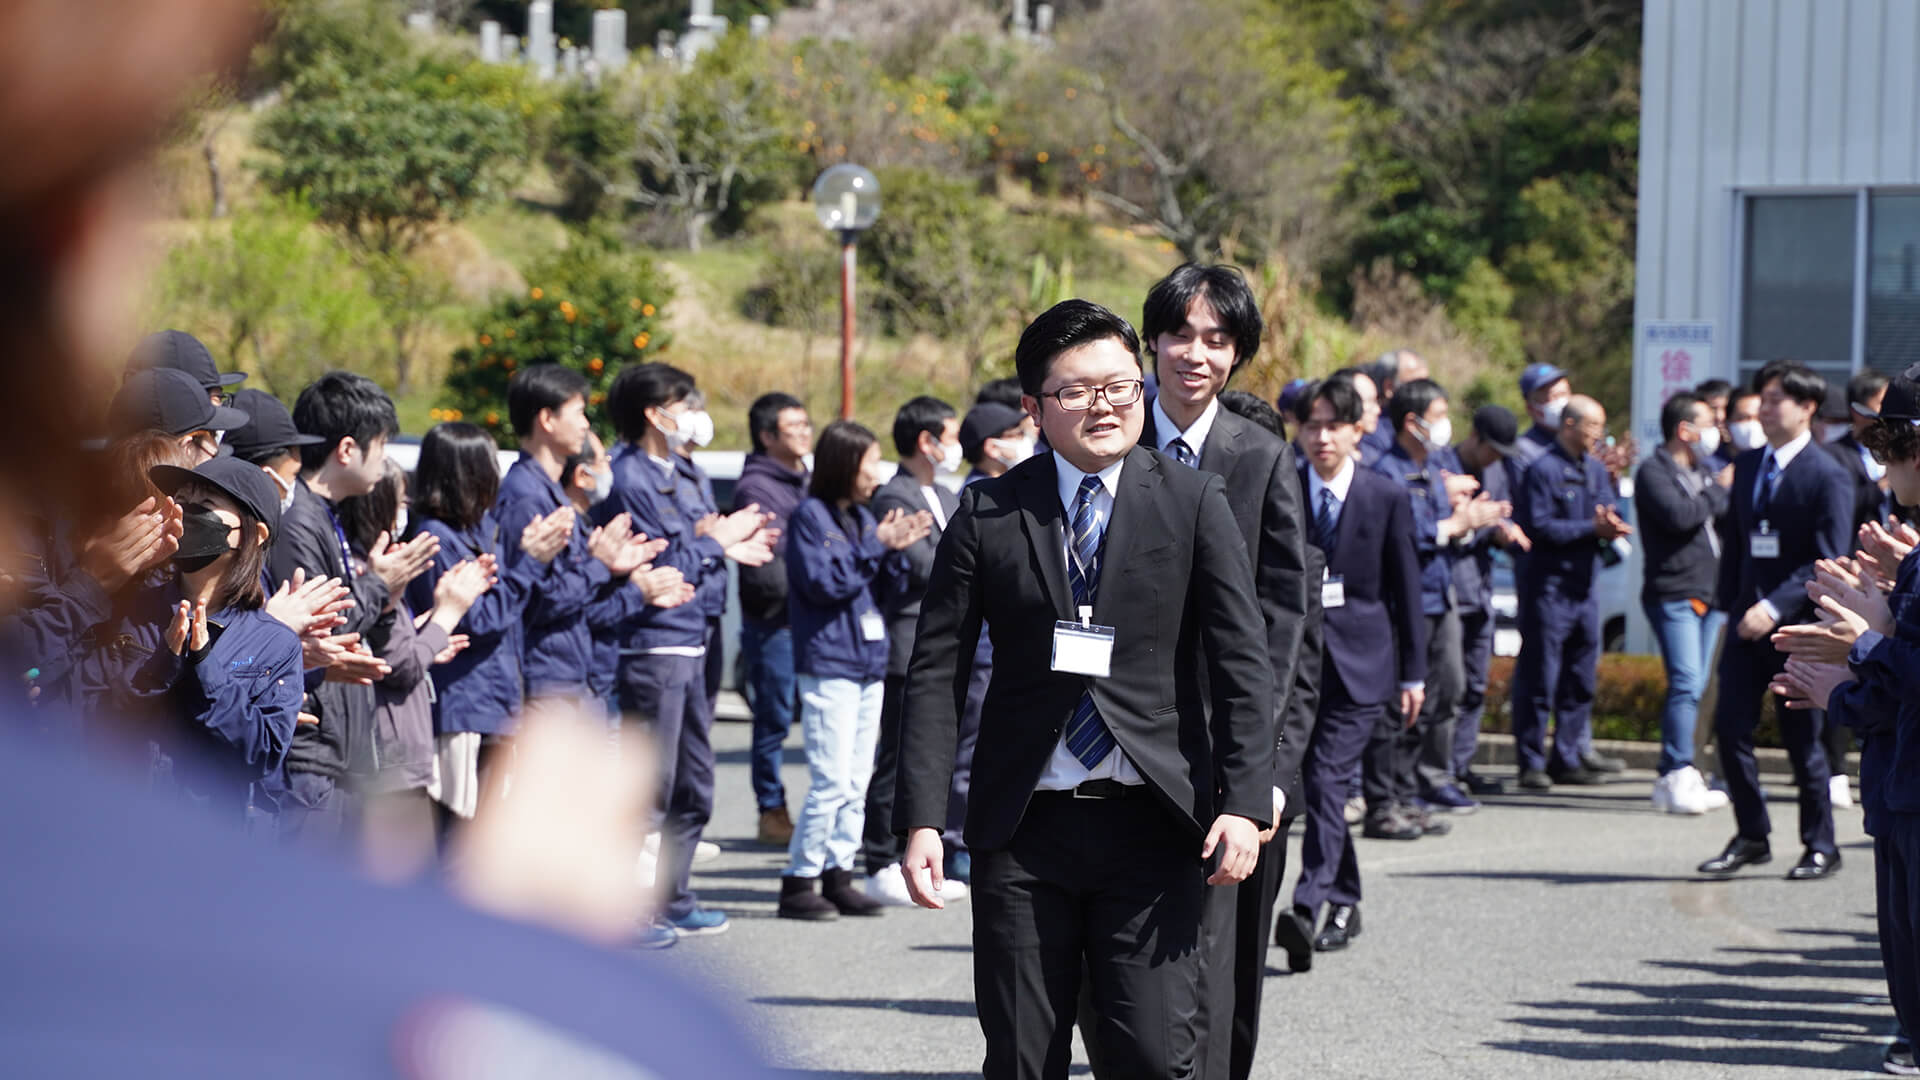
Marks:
<point>1373,554</point>
<point>1812,512</point>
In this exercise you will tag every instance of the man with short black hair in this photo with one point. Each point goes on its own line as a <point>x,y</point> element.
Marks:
<point>353,418</point>
<point>1790,509</point>
<point>1718,394</point>
<point>774,478</point>
<point>926,435</point>
<point>1130,717</point>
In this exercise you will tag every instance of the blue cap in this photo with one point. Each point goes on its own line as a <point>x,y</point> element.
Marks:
<point>1535,376</point>
<point>1290,395</point>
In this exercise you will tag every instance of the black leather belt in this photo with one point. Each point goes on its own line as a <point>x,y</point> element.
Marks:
<point>1100,789</point>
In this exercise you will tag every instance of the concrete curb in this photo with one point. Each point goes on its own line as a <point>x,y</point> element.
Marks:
<point>1497,749</point>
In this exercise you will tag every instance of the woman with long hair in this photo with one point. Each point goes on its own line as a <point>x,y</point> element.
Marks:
<point>840,564</point>
<point>477,692</point>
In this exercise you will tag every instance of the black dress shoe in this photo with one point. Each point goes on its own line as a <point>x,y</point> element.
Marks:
<point>1536,780</point>
<point>1343,925</point>
<point>1580,777</point>
<point>1431,824</point>
<point>1293,931</point>
<point>1392,825</point>
<point>1602,763</point>
<point>1484,785</point>
<point>1814,865</point>
<point>1740,852</point>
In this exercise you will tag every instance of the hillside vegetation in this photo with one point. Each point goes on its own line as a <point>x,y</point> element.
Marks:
<point>1455,177</point>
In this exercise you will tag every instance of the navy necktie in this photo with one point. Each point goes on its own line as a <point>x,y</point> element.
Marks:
<point>1769,469</point>
<point>1088,739</point>
<point>1324,521</point>
<point>1183,453</point>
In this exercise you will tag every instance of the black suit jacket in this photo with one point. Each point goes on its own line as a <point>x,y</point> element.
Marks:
<point>1378,638</point>
<point>1263,487</point>
<point>1811,510</point>
<point>1190,699</point>
<point>903,609</point>
<point>1297,718</point>
<point>1867,496</point>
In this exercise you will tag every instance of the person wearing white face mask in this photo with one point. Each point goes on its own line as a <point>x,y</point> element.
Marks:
<point>1413,756</point>
<point>1743,421</point>
<point>693,430</point>
<point>926,433</point>
<point>1546,389</point>
<point>1678,497</point>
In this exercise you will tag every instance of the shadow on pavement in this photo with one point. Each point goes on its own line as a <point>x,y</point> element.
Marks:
<point>923,1007</point>
<point>1550,877</point>
<point>1748,1017</point>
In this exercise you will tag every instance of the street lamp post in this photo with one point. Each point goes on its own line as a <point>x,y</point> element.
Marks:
<point>846,199</point>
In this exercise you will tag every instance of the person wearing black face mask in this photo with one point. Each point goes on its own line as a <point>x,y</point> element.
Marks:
<point>236,684</point>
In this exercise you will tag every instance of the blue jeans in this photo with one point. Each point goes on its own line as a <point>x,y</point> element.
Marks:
<point>1687,642</point>
<point>766,653</point>
<point>840,719</point>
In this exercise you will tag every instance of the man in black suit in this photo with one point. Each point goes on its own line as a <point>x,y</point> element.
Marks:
<point>1200,324</point>
<point>1375,644</point>
<point>926,434</point>
<point>1126,744</point>
<point>1790,509</point>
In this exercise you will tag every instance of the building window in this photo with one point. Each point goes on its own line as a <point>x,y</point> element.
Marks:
<point>1893,283</point>
<point>1797,284</point>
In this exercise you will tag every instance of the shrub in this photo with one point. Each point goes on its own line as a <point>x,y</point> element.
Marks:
<point>592,307</point>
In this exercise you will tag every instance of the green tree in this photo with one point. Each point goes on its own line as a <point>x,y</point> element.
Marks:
<point>592,307</point>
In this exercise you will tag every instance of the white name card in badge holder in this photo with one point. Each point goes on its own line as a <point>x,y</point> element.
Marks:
<point>1333,591</point>
<point>1081,648</point>
<point>873,627</point>
<point>1764,543</point>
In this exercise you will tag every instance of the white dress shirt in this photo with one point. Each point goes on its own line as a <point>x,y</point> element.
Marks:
<point>932,499</point>
<point>1341,483</point>
<point>1195,437</point>
<point>1064,771</point>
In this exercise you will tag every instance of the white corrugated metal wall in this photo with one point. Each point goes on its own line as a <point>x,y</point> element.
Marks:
<point>1746,97</point>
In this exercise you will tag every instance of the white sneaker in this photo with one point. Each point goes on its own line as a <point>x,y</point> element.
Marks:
<point>889,887</point>
<point>652,844</point>
<point>1712,798</point>
<point>951,890</point>
<point>1663,794</point>
<point>1840,789</point>
<point>644,872</point>
<point>1681,791</point>
<point>706,851</point>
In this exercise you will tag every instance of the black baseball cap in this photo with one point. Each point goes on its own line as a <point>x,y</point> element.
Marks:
<point>985,421</point>
<point>243,483</point>
<point>167,399</point>
<point>269,426</point>
<point>1903,396</point>
<point>181,351</point>
<point>1497,428</point>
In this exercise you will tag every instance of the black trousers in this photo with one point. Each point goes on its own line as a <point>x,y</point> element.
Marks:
<point>1111,891</point>
<point>1234,939</point>
<point>1896,879</point>
<point>879,848</point>
<point>1411,760</point>
<point>1746,667</point>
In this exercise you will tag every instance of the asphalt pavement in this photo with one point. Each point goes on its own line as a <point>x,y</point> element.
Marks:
<point>1558,935</point>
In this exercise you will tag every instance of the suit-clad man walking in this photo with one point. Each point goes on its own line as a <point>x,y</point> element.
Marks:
<point>1200,324</point>
<point>1125,755</point>
<point>1790,508</point>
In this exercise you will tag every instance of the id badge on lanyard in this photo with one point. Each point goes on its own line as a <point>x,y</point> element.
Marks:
<point>1764,543</point>
<point>1081,648</point>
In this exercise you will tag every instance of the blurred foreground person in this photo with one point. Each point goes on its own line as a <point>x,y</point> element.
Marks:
<point>384,982</point>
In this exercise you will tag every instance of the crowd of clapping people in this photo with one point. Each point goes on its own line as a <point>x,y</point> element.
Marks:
<point>328,648</point>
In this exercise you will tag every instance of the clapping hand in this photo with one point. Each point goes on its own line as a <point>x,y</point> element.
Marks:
<point>458,590</point>
<point>456,645</point>
<point>1809,685</point>
<point>1608,523</point>
<point>1460,486</point>
<point>188,630</point>
<point>1482,511</point>
<point>1881,551</point>
<point>900,530</point>
<point>357,664</point>
<point>663,586</point>
<point>744,535</point>
<point>1515,537</point>
<point>622,550</point>
<point>397,564</point>
<point>135,543</point>
<point>311,608</point>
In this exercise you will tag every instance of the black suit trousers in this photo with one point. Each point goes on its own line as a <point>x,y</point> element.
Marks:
<point>1110,890</point>
<point>1746,667</point>
<point>879,847</point>
<point>1234,938</point>
<point>1329,870</point>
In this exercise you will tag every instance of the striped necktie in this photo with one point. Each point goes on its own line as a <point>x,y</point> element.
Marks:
<point>1088,739</point>
<point>1183,453</point>
<point>1324,522</point>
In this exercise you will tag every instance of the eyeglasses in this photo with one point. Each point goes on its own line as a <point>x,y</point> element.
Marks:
<point>1079,398</point>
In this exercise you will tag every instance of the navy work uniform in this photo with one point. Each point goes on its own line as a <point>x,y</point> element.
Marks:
<point>1559,615</point>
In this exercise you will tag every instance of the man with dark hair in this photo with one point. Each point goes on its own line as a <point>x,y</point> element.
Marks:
<point>773,478</point>
<point>1566,505</point>
<point>1201,324</point>
<point>547,406</point>
<point>1790,509</point>
<point>662,683</point>
<point>1414,754</point>
<point>926,433</point>
<point>1390,371</point>
<point>1375,651</point>
<point>1130,716</point>
<point>353,419</point>
<point>1485,453</point>
<point>1000,392</point>
<point>1717,393</point>
<point>1678,496</point>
